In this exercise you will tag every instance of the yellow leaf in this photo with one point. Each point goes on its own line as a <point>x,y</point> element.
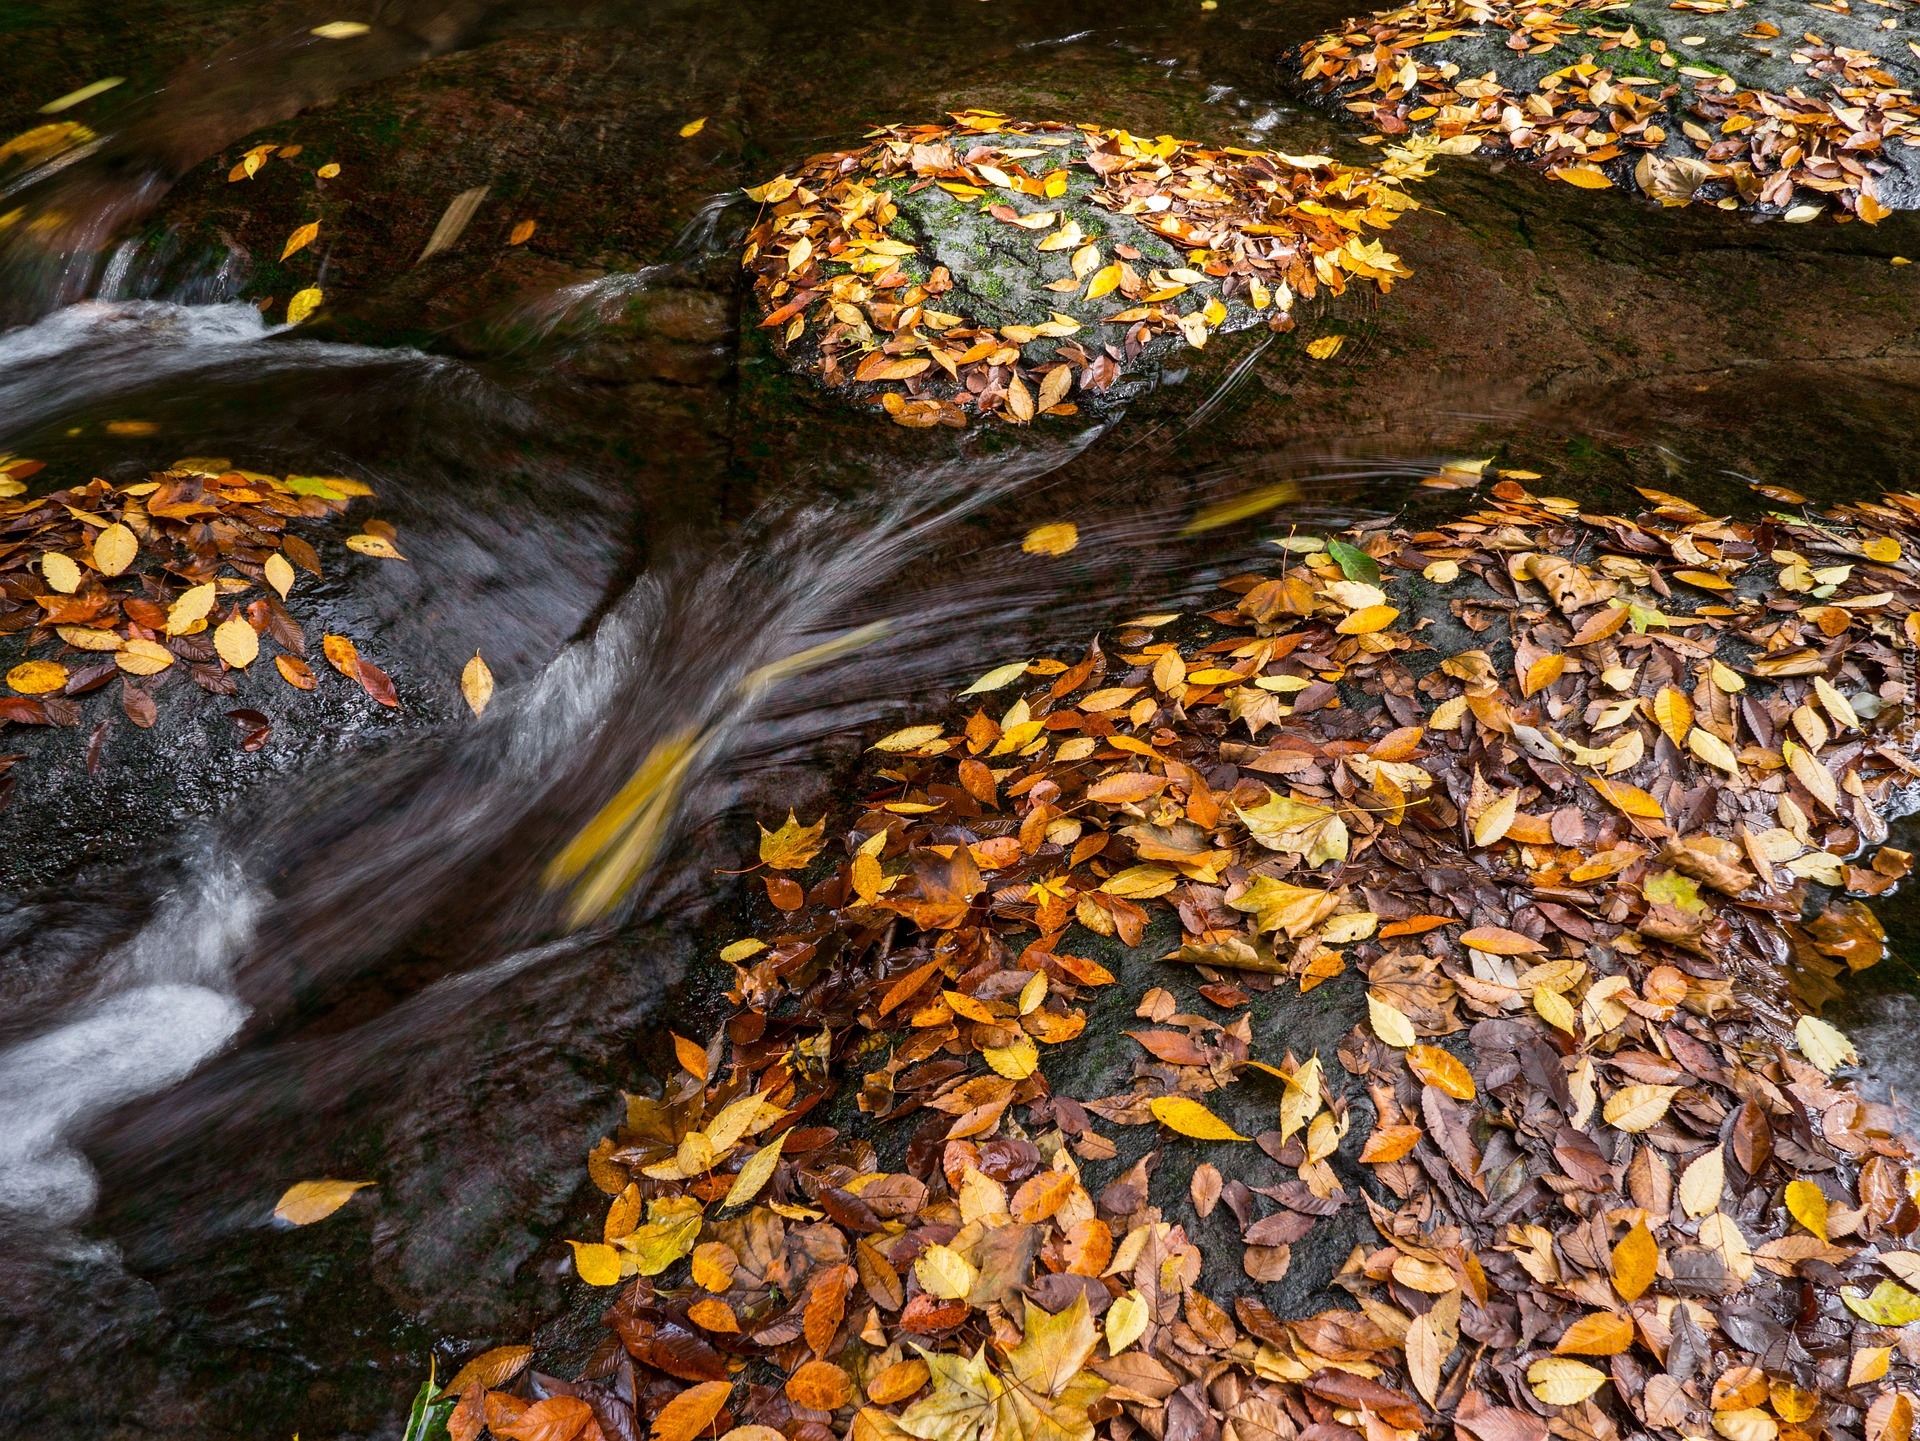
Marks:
<point>1824,1045</point>
<point>87,638</point>
<point>143,657</point>
<point>1636,1259</point>
<point>1888,1305</point>
<point>476,684</point>
<point>193,604</point>
<point>944,1273</point>
<point>1496,820</point>
<point>1190,1118</point>
<point>237,642</point>
<point>1674,712</point>
<point>1105,281</point>
<point>1629,799</point>
<point>756,1173</point>
<point>308,1201</point>
<point>1702,1182</point>
<point>301,238</point>
<point>279,574</point>
<point>1326,347</point>
<point>1790,1403</point>
<point>1601,1334</point>
<point>341,29</point>
<point>62,574</point>
<point>377,546</point>
<point>303,303</point>
<point>1882,548</point>
<point>1126,1322</point>
<point>1368,619</point>
<point>522,232</point>
<point>114,549</point>
<point>329,170</point>
<point>1835,704</point>
<point>1016,1061</point>
<point>1315,833</point>
<point>999,676</point>
<point>1714,751</point>
<point>1808,770</point>
<point>1720,1233</point>
<point>792,846</point>
<point>1055,539</point>
<point>1807,1204</point>
<point>1635,1108</point>
<point>1558,1381</point>
<point>1555,1009</point>
<point>909,739</point>
<point>1390,1023</point>
<point>1747,1424</point>
<point>1499,941</point>
<point>693,128</point>
<point>1587,177</point>
<point>1704,579</point>
<point>1869,1365</point>
<point>37,677</point>
<point>1437,1067</point>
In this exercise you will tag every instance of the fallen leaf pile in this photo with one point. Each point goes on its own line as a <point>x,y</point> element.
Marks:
<point>1250,231</point>
<point>186,571</point>
<point>1560,786</point>
<point>1609,112</point>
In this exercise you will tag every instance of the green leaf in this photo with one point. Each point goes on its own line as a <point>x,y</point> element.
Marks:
<point>1889,1305</point>
<point>1354,563</point>
<point>427,1420</point>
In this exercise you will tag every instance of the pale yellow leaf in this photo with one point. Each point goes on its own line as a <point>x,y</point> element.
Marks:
<point>308,1201</point>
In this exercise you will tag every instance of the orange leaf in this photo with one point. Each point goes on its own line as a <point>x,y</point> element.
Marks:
<point>1043,1195</point>
<point>692,1056</point>
<point>691,1412</point>
<point>819,1386</point>
<point>1415,926</point>
<point>1498,941</point>
<point>558,1418</point>
<point>1125,787</point>
<point>1390,1143</point>
<point>1635,1260</point>
<point>1542,673</point>
<point>1441,1068</point>
<point>1601,1334</point>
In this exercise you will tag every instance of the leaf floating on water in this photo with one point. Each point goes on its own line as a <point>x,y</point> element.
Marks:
<point>522,232</point>
<point>911,738</point>
<point>1326,347</point>
<point>793,846</point>
<point>1055,539</point>
<point>1823,1044</point>
<point>341,29</point>
<point>693,128</point>
<point>374,545</point>
<point>1190,1118</point>
<point>999,676</point>
<point>476,684</point>
<point>308,1201</point>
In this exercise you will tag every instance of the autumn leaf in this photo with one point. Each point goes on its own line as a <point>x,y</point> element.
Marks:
<point>1558,1381</point>
<point>303,304</point>
<point>756,1173</point>
<point>792,846</point>
<point>114,549</point>
<point>1702,1183</point>
<point>1190,1118</point>
<point>691,1412</point>
<point>1636,1257</point>
<point>476,684</point>
<point>1635,1108</point>
<point>491,1369</point>
<point>1601,1333</point>
<point>1630,800</point>
<point>301,238</point>
<point>1823,1044</point>
<point>1441,1068</point>
<point>1389,1023</point>
<point>1314,833</point>
<point>1887,1305</point>
<point>1055,539</point>
<point>1326,347</point>
<point>1807,1204</point>
<point>308,1201</point>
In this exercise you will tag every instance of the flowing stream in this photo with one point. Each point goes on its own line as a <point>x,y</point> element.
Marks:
<point>352,954</point>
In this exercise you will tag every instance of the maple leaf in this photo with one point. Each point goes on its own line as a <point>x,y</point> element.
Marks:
<point>793,845</point>
<point>1043,1394</point>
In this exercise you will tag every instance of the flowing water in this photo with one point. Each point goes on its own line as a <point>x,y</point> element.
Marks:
<point>225,971</point>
